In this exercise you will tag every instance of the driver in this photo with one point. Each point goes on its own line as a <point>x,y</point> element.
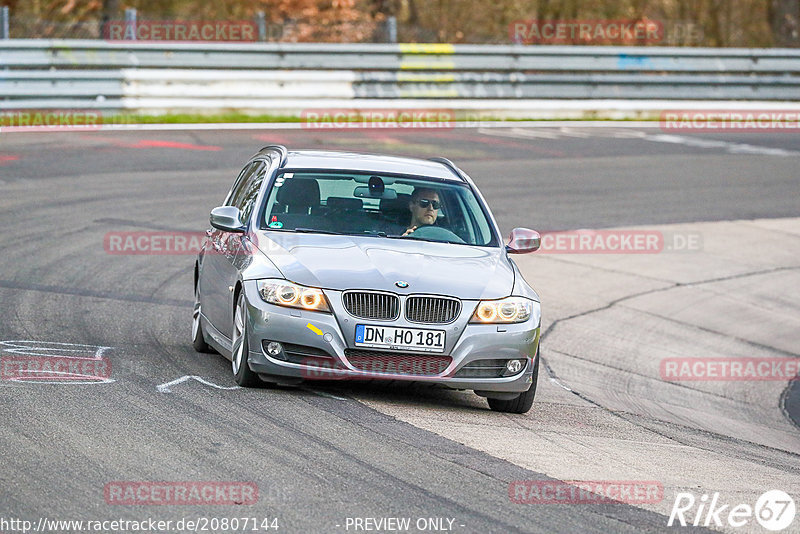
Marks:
<point>424,208</point>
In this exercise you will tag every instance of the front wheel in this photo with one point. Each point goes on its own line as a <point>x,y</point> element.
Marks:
<point>242,373</point>
<point>521,403</point>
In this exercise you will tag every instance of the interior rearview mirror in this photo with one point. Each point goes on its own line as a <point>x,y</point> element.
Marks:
<point>372,192</point>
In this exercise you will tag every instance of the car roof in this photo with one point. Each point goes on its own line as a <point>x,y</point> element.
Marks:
<point>349,161</point>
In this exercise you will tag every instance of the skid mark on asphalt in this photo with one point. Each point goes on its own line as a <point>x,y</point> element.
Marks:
<point>669,287</point>
<point>274,139</point>
<point>493,139</point>
<point>789,411</point>
<point>372,141</point>
<point>138,224</point>
<point>323,394</point>
<point>154,143</point>
<point>149,143</point>
<point>10,284</point>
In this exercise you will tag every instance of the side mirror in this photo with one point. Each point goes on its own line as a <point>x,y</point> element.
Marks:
<point>523,240</point>
<point>227,219</point>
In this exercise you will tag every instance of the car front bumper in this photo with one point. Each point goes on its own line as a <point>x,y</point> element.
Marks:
<point>333,334</point>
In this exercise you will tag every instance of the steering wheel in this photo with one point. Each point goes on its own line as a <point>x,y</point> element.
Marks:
<point>436,233</point>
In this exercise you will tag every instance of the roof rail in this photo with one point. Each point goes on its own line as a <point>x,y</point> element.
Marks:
<point>450,165</point>
<point>279,148</point>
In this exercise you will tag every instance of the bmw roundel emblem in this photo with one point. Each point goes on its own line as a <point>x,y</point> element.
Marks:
<point>401,284</point>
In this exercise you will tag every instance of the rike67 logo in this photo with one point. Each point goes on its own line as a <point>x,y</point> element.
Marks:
<point>774,510</point>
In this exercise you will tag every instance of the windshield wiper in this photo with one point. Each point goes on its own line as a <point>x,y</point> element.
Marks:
<point>428,240</point>
<point>315,231</point>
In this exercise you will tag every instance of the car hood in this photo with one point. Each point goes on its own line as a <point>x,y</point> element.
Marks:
<point>355,262</point>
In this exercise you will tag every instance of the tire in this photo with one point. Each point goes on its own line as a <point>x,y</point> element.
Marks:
<point>242,373</point>
<point>198,337</point>
<point>521,403</point>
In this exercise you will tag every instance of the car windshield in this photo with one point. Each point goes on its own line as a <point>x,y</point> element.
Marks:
<point>379,205</point>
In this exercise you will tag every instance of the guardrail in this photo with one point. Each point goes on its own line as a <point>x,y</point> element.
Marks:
<point>273,76</point>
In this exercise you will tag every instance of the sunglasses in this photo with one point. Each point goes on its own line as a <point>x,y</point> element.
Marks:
<point>424,203</point>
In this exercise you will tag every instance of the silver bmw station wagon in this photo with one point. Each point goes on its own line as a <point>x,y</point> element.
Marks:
<point>332,266</point>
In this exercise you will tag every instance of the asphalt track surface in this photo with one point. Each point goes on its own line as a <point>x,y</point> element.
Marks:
<point>317,454</point>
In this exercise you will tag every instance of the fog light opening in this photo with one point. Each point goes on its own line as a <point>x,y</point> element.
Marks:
<point>514,366</point>
<point>274,348</point>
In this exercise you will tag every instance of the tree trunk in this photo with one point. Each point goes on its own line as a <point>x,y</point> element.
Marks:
<point>784,20</point>
<point>110,10</point>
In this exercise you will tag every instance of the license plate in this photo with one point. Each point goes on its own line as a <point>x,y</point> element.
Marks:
<point>395,337</point>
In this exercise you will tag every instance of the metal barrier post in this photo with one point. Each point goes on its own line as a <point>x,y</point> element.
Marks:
<point>4,23</point>
<point>130,23</point>
<point>391,29</point>
<point>261,20</point>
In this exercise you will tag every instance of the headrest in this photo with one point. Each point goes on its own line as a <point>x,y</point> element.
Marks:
<point>396,205</point>
<point>299,192</point>
<point>342,203</point>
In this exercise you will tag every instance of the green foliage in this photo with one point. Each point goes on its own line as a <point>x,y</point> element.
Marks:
<point>746,23</point>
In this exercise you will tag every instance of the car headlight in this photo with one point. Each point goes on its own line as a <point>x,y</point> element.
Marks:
<point>285,293</point>
<point>507,310</point>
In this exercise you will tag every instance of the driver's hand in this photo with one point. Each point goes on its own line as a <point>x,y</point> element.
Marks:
<point>409,231</point>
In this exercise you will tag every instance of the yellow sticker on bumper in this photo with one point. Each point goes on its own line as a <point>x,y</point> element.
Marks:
<point>314,329</point>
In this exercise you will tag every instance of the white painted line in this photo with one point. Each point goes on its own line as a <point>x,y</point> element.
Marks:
<point>696,142</point>
<point>520,133</point>
<point>60,351</point>
<point>301,126</point>
<point>165,387</point>
<point>730,147</point>
<point>573,132</point>
<point>51,348</point>
<point>323,394</point>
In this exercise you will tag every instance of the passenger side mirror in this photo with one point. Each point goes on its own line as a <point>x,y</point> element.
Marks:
<point>227,219</point>
<point>523,240</point>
